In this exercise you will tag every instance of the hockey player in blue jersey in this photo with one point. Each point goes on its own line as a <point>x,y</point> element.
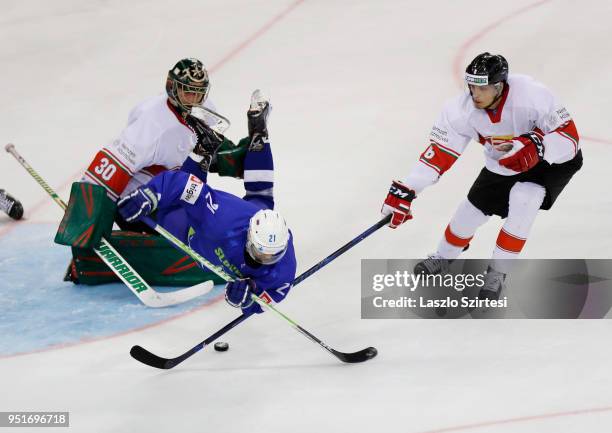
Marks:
<point>245,236</point>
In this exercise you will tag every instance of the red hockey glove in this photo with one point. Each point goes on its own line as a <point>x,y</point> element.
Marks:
<point>529,156</point>
<point>398,202</point>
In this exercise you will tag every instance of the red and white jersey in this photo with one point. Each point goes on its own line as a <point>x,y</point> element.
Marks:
<point>155,139</point>
<point>526,105</point>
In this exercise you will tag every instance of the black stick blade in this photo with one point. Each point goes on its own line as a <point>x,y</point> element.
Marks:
<point>143,355</point>
<point>354,357</point>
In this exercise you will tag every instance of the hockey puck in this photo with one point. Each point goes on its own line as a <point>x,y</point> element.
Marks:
<point>221,346</point>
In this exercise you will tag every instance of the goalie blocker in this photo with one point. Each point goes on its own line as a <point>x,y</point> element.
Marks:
<point>89,217</point>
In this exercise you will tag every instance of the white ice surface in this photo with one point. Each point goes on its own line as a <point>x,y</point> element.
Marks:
<point>356,86</point>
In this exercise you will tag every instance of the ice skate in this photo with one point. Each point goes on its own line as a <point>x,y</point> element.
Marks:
<point>432,265</point>
<point>494,283</point>
<point>10,205</point>
<point>258,113</point>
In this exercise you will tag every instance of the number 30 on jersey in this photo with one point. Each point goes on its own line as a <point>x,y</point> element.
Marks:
<point>107,171</point>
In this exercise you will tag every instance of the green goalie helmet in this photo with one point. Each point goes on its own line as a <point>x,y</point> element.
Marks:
<point>187,84</point>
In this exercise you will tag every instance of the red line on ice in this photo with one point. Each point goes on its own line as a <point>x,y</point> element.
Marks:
<point>521,419</point>
<point>596,140</point>
<point>459,59</point>
<point>38,206</point>
<point>248,41</point>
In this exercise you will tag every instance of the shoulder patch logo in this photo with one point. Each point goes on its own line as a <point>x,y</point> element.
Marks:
<point>563,114</point>
<point>192,189</point>
<point>558,118</point>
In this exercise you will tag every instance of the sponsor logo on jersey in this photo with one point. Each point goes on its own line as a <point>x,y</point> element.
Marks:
<point>558,118</point>
<point>563,114</point>
<point>500,143</point>
<point>439,135</point>
<point>499,139</point>
<point>265,297</point>
<point>192,190</point>
<point>225,262</point>
<point>124,150</point>
<point>195,179</point>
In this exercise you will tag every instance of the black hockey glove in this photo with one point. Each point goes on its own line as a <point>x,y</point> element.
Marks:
<point>207,141</point>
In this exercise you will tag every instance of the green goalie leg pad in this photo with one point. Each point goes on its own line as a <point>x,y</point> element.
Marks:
<point>88,218</point>
<point>151,256</point>
<point>230,158</point>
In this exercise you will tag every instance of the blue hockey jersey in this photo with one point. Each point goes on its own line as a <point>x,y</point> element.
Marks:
<point>215,224</point>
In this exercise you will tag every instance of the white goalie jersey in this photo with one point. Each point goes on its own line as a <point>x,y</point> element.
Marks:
<point>155,139</point>
<point>526,106</point>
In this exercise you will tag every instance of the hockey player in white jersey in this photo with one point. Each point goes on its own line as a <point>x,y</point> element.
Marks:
<point>531,149</point>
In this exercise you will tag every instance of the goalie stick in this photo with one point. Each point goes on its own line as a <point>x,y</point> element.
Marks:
<point>146,357</point>
<point>118,264</point>
<point>216,122</point>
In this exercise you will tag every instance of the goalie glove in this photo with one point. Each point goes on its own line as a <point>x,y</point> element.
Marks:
<point>529,156</point>
<point>398,202</point>
<point>207,142</point>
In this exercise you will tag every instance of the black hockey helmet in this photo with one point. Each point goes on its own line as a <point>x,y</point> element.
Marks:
<point>188,76</point>
<point>486,69</point>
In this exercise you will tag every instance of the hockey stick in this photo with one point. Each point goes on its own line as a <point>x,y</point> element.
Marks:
<point>118,264</point>
<point>146,357</point>
<point>383,222</point>
<point>214,120</point>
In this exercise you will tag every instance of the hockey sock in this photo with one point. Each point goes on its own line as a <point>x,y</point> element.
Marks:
<point>460,230</point>
<point>259,176</point>
<point>525,201</point>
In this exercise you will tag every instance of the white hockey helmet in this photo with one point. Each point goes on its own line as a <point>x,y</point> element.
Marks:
<point>268,237</point>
